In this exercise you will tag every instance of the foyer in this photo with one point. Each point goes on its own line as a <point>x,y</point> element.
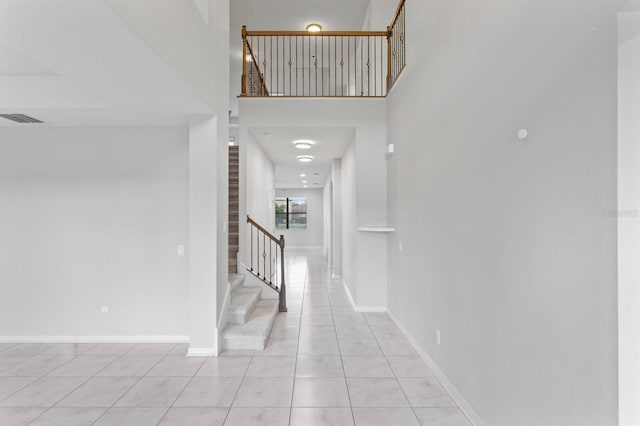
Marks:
<point>324,365</point>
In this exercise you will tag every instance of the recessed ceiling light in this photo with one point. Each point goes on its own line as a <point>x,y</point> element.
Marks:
<point>305,158</point>
<point>303,144</point>
<point>303,175</point>
<point>305,186</point>
<point>314,28</point>
<point>304,181</point>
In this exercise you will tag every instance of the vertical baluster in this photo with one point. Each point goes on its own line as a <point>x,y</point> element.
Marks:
<point>361,66</point>
<point>309,37</point>
<point>315,61</point>
<point>369,91</point>
<point>335,66</point>
<point>380,66</point>
<point>348,66</point>
<point>264,256</point>
<point>270,262</point>
<point>322,62</point>
<point>375,66</point>
<point>342,65</point>
<point>290,63</point>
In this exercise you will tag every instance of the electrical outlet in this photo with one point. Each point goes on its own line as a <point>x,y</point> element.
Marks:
<point>437,337</point>
<point>105,309</point>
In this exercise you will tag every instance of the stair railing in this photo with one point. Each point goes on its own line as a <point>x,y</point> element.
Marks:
<point>266,254</point>
<point>396,45</point>
<point>324,64</point>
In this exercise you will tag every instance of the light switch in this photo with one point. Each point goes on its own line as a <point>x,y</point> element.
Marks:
<point>180,250</point>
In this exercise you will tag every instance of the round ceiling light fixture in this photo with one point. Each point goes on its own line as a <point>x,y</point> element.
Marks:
<point>303,175</point>
<point>303,144</point>
<point>305,158</point>
<point>314,28</point>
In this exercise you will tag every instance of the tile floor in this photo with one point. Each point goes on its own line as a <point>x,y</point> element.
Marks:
<point>324,365</point>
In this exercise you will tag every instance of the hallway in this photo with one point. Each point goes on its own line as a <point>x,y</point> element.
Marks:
<point>324,365</point>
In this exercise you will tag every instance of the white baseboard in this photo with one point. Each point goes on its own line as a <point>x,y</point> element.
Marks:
<point>202,352</point>
<point>94,339</point>
<point>362,309</point>
<point>457,396</point>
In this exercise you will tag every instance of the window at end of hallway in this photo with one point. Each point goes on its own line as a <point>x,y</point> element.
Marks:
<point>291,213</point>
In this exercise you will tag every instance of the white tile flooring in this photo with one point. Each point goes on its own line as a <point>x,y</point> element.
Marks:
<point>324,365</point>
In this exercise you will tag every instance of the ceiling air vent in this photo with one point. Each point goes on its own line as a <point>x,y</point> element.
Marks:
<point>20,118</point>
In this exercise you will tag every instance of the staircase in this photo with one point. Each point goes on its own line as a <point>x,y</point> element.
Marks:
<point>250,318</point>
<point>234,212</point>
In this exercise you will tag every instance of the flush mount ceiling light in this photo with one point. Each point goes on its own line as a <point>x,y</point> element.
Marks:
<point>303,175</point>
<point>314,28</point>
<point>303,144</point>
<point>305,158</point>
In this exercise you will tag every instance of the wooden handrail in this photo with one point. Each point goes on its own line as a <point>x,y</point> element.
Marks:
<point>263,86</point>
<point>267,250</point>
<point>319,34</point>
<point>279,241</point>
<point>397,14</point>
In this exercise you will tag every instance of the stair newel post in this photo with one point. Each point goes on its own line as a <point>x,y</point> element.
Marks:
<point>283,289</point>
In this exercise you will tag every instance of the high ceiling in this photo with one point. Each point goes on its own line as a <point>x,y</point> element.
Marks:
<point>329,143</point>
<point>74,62</point>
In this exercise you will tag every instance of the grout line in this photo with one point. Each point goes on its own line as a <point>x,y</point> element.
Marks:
<point>131,387</point>
<point>182,391</point>
<point>295,366</point>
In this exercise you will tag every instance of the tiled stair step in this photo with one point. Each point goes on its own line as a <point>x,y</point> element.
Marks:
<point>254,333</point>
<point>242,304</point>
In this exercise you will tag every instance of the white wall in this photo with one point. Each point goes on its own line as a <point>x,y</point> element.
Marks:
<point>336,218</point>
<point>327,207</point>
<point>257,188</point>
<point>208,287</point>
<point>313,235</point>
<point>196,49</point>
<point>260,172</point>
<point>629,216</point>
<point>348,219</point>
<point>506,248</point>
<point>197,52</point>
<point>92,217</point>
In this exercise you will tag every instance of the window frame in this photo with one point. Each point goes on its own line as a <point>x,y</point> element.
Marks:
<point>289,214</point>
